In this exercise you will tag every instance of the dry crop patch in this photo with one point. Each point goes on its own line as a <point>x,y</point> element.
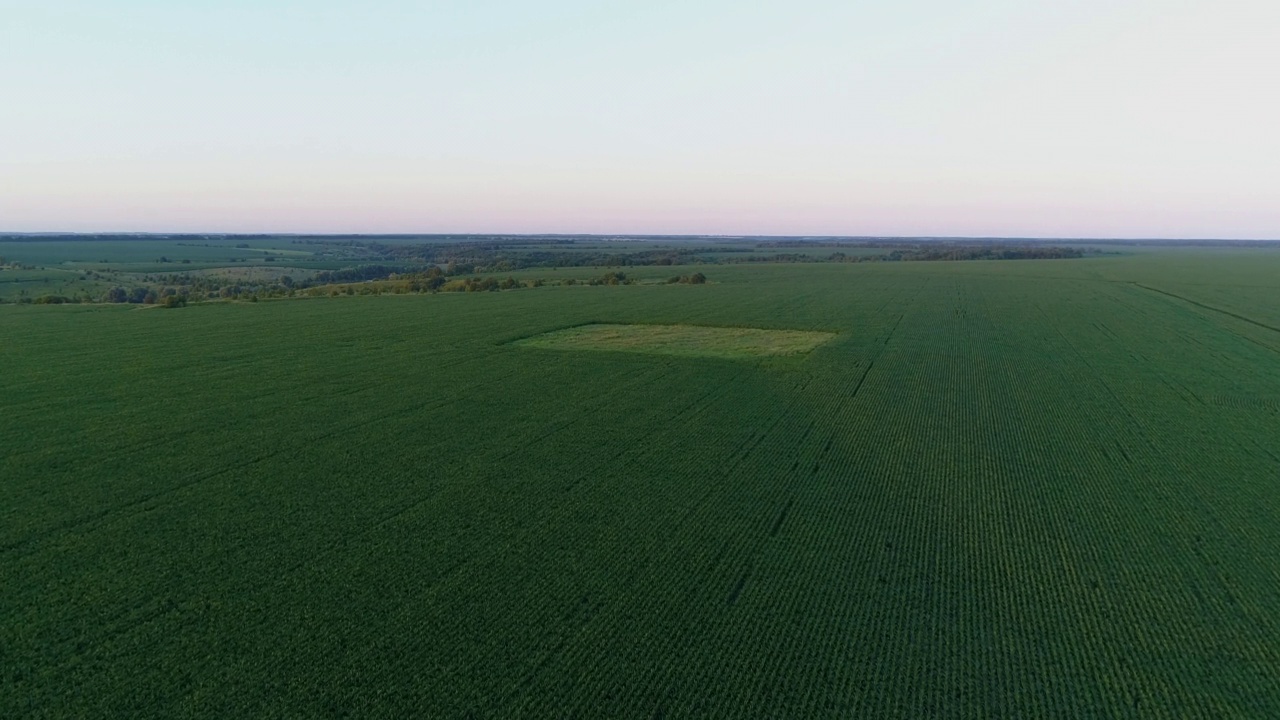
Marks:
<point>684,340</point>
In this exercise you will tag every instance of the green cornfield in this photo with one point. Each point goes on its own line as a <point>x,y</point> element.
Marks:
<point>1001,489</point>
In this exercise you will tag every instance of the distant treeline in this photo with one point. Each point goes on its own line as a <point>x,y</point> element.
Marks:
<point>966,252</point>
<point>470,266</point>
<point>561,239</point>
<point>179,289</point>
<point>465,258</point>
<point>898,252</point>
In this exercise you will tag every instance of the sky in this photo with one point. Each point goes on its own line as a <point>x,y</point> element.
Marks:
<point>1091,118</point>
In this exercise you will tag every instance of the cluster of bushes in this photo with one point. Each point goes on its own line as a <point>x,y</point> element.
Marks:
<point>436,281</point>
<point>169,297</point>
<point>166,297</point>
<point>356,274</point>
<point>479,285</point>
<point>51,299</point>
<point>137,296</point>
<point>401,286</point>
<point>476,284</point>
<point>611,278</point>
<point>694,279</point>
<point>787,258</point>
<point>212,287</point>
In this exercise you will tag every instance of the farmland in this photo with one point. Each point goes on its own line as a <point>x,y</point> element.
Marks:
<point>682,340</point>
<point>1022,489</point>
<point>144,269</point>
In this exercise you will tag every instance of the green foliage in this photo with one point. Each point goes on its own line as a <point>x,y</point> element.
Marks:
<point>613,277</point>
<point>1024,489</point>
<point>696,278</point>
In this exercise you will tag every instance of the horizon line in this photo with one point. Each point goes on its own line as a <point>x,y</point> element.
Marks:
<point>189,233</point>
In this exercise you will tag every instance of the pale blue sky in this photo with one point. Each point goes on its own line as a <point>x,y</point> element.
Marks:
<point>915,117</point>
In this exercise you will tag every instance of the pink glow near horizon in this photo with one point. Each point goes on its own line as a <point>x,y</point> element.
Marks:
<point>1150,119</point>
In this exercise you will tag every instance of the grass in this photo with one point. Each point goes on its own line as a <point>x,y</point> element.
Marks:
<point>1019,489</point>
<point>681,340</point>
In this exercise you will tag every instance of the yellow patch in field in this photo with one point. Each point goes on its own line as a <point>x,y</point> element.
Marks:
<point>685,340</point>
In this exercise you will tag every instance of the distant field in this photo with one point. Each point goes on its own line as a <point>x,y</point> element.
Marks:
<point>106,268</point>
<point>682,340</point>
<point>96,253</point>
<point>76,268</point>
<point>999,489</point>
